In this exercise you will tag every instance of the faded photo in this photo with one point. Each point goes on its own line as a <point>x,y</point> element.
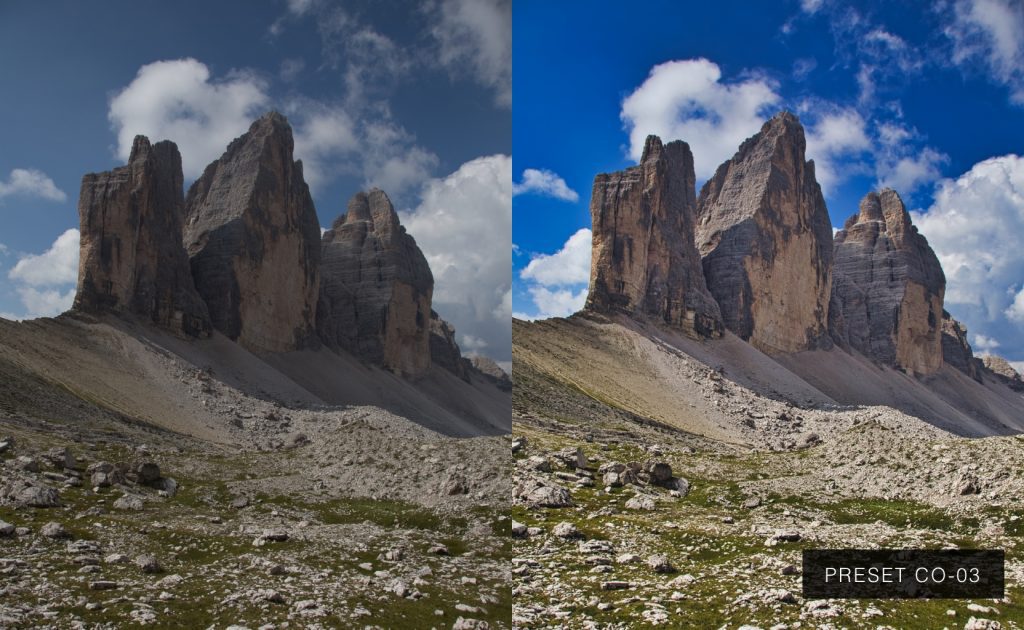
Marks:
<point>255,306</point>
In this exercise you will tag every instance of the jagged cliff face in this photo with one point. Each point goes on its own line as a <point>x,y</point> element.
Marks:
<point>444,351</point>
<point>131,257</point>
<point>375,288</point>
<point>889,284</point>
<point>1001,369</point>
<point>956,351</point>
<point>644,261</point>
<point>765,238</point>
<point>253,239</point>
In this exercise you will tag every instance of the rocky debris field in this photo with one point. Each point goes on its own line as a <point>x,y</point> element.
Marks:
<point>349,518</point>
<point>620,525</point>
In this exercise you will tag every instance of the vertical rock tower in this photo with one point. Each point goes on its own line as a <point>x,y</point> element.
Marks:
<point>765,238</point>
<point>890,286</point>
<point>131,256</point>
<point>644,261</point>
<point>375,288</point>
<point>253,240</point>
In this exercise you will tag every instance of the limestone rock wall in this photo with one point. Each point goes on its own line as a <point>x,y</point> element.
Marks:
<point>765,239</point>
<point>131,257</point>
<point>644,261</point>
<point>890,286</point>
<point>253,239</point>
<point>376,288</point>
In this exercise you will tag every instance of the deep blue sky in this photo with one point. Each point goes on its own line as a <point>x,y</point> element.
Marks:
<point>576,63</point>
<point>419,105</point>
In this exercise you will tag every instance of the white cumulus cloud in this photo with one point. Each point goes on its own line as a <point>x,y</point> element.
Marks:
<point>462,224</point>
<point>179,100</point>
<point>29,182</point>
<point>557,302</point>
<point>57,265</point>
<point>834,137</point>
<point>45,282</point>
<point>546,183</point>
<point>687,100</point>
<point>976,227</point>
<point>569,265</point>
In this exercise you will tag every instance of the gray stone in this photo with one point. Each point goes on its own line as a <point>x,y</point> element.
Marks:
<point>132,258</point>
<point>376,288</point>
<point>53,529</point>
<point>890,286</point>
<point>765,239</point>
<point>148,563</point>
<point>644,262</point>
<point>253,241</point>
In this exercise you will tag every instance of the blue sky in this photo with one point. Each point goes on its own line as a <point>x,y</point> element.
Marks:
<point>925,97</point>
<point>414,97</point>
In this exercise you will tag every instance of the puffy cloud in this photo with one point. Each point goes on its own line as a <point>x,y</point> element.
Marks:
<point>324,135</point>
<point>31,183</point>
<point>463,225</point>
<point>687,100</point>
<point>178,100</point>
<point>475,39</point>
<point>976,227</point>
<point>45,302</point>
<point>57,265</point>
<point>546,183</point>
<point>471,345</point>
<point>990,33</point>
<point>835,136</point>
<point>1015,311</point>
<point>45,282</point>
<point>557,283</point>
<point>557,302</point>
<point>984,344</point>
<point>569,265</point>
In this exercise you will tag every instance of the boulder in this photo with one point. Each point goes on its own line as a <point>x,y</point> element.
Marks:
<point>765,239</point>
<point>376,288</point>
<point>22,493</point>
<point>889,285</point>
<point>644,262</point>
<point>131,257</point>
<point>253,241</point>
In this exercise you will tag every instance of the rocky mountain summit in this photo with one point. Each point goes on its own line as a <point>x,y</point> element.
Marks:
<point>889,284</point>
<point>131,257</point>
<point>375,288</point>
<point>818,305</point>
<point>956,350</point>
<point>644,260</point>
<point>242,254</point>
<point>253,239</point>
<point>1003,371</point>
<point>765,239</point>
